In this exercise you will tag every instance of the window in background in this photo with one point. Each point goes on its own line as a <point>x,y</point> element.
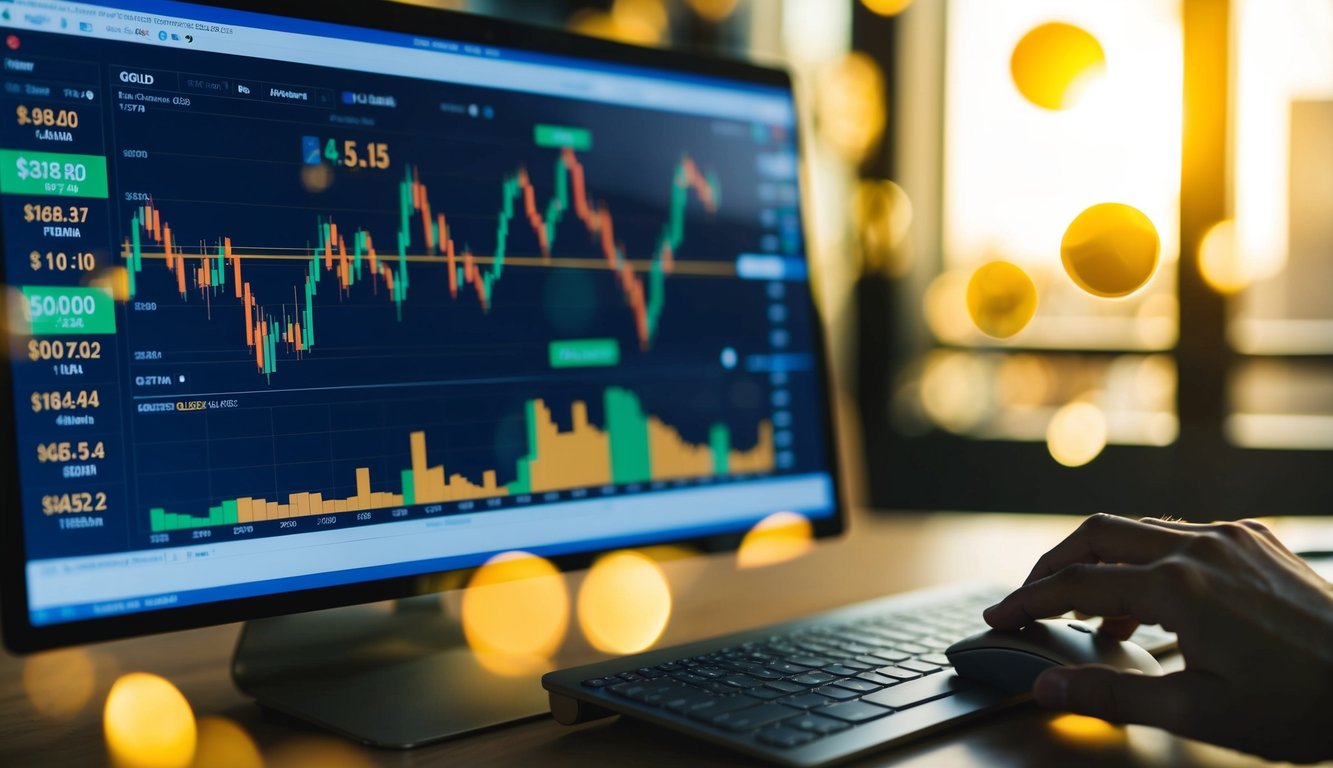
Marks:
<point>1021,160</point>
<point>1277,255</point>
<point>1205,393</point>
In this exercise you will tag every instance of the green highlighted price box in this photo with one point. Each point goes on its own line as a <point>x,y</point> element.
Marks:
<point>561,136</point>
<point>585,353</point>
<point>68,311</point>
<point>52,173</point>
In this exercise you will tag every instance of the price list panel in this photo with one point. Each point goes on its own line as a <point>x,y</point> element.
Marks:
<point>61,286</point>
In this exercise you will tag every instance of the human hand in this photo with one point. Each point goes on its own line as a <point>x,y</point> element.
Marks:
<point>1254,622</point>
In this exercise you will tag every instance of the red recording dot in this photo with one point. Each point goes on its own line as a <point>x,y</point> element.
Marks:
<point>13,42</point>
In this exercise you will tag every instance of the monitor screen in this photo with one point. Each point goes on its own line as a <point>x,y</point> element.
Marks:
<point>294,305</point>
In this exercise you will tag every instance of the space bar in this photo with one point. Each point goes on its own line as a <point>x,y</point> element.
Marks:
<point>915,692</point>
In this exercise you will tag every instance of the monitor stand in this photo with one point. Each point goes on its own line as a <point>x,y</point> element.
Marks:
<point>396,679</point>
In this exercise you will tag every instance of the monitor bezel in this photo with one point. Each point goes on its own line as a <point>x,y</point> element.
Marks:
<point>21,636</point>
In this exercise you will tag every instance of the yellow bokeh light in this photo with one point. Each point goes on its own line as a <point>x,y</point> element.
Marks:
<point>945,307</point>
<point>778,538</point>
<point>623,27</point>
<point>515,612</point>
<point>624,603</point>
<point>1077,434</point>
<point>1001,299</point>
<point>955,390</point>
<point>850,110</point>
<point>148,723</point>
<point>1220,261</point>
<point>1054,64</point>
<point>1110,250</point>
<point>886,7</point>
<point>224,744</point>
<point>646,13</point>
<point>59,683</point>
<point>1086,731</point>
<point>883,215</point>
<point>1024,381</point>
<point>115,280</point>
<point>316,178</point>
<point>714,10</point>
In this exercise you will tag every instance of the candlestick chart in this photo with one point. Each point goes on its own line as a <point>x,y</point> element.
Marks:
<point>348,255</point>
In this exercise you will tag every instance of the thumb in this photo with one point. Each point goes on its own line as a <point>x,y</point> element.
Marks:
<point>1121,697</point>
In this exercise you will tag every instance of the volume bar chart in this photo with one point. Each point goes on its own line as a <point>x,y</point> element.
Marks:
<point>632,447</point>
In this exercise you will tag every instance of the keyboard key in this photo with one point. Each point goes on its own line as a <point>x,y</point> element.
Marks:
<point>898,673</point>
<point>786,668</point>
<point>918,691</point>
<point>785,737</point>
<point>806,700</point>
<point>859,685</point>
<point>712,673</point>
<point>686,700</point>
<point>855,711</point>
<point>752,718</point>
<point>627,690</point>
<point>914,649</point>
<point>741,681</point>
<point>919,666</point>
<point>811,661</point>
<point>596,682</point>
<point>689,678</point>
<point>785,687</point>
<point>765,693</point>
<point>841,694</point>
<point>659,696</point>
<point>878,679</point>
<point>891,656</point>
<point>813,678</point>
<point>707,710</point>
<point>817,724</point>
<point>842,670</point>
<point>936,658</point>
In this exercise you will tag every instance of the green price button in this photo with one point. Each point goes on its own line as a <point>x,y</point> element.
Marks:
<point>562,136</point>
<point>52,173</point>
<point>585,353</point>
<point>64,311</point>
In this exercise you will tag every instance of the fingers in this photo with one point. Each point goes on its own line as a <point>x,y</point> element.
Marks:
<point>1100,590</point>
<point>1119,627</point>
<point>1107,539</point>
<point>1124,697</point>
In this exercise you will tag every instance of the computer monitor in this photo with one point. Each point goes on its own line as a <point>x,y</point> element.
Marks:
<point>306,300</point>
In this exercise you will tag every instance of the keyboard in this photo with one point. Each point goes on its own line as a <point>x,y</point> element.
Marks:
<point>807,692</point>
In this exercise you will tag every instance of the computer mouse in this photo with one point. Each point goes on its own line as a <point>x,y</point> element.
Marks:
<point>1011,660</point>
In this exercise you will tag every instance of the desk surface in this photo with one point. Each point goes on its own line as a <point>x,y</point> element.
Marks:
<point>883,555</point>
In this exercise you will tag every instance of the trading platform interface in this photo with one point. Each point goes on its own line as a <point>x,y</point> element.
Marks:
<point>296,305</point>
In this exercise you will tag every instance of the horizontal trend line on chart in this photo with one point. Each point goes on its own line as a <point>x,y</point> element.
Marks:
<point>679,267</point>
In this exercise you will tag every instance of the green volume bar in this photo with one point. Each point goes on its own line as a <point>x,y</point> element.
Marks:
<point>52,173</point>
<point>627,426</point>
<point>161,520</point>
<point>719,439</point>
